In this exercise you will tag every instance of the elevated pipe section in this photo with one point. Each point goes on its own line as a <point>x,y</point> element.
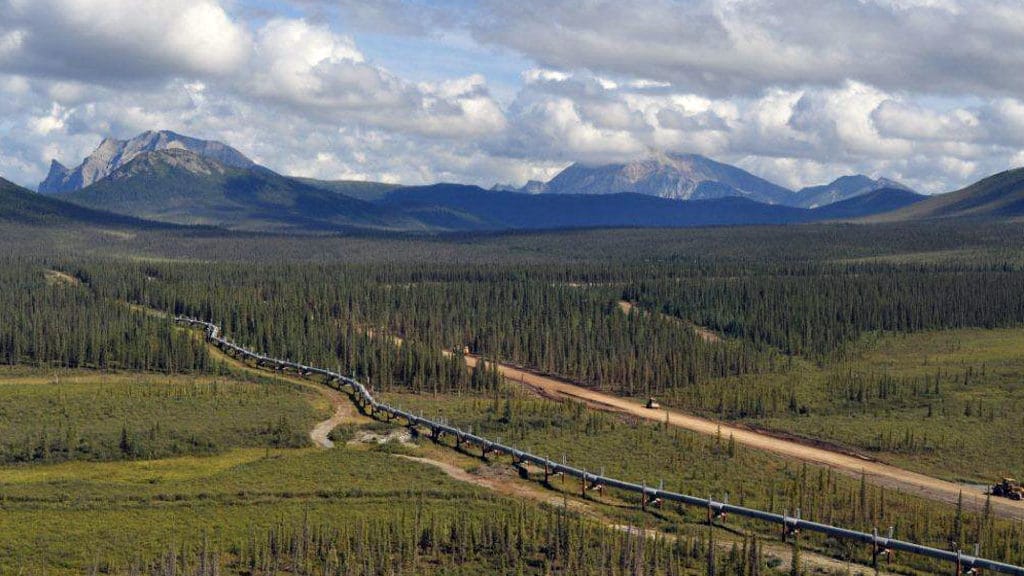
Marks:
<point>964,562</point>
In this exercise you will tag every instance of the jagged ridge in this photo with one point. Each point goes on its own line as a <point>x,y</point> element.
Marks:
<point>112,154</point>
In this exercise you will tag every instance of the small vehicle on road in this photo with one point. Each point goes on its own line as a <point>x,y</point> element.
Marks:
<point>1008,488</point>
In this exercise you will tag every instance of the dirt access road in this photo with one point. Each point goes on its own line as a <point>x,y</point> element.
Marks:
<point>341,404</point>
<point>876,472</point>
<point>344,410</point>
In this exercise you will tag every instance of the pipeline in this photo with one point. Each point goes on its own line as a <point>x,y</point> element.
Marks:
<point>965,563</point>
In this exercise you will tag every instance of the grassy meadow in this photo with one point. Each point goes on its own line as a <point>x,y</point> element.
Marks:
<point>60,415</point>
<point>102,469</point>
<point>946,403</point>
<point>249,505</point>
<point>66,518</point>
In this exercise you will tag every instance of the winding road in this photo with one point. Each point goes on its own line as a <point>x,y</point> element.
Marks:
<point>344,410</point>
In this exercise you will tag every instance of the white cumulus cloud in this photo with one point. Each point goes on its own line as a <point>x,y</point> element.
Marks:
<point>119,40</point>
<point>798,91</point>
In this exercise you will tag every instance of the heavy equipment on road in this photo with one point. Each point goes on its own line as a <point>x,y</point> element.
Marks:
<point>1008,488</point>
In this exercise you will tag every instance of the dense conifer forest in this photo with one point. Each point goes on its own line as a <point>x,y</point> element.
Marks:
<point>49,319</point>
<point>560,321</point>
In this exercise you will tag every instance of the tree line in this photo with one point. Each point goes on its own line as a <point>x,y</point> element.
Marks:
<point>390,324</point>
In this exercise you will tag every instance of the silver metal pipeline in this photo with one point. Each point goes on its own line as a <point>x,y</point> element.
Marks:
<point>966,563</point>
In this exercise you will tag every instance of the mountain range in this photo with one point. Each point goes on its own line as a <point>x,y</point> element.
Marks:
<point>178,180</point>
<point>673,176</point>
<point>179,186</point>
<point>460,207</point>
<point>695,177</point>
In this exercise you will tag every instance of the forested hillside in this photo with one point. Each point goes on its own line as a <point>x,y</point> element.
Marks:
<point>24,207</point>
<point>998,196</point>
<point>181,187</point>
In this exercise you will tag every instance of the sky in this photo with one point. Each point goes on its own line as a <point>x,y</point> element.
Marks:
<point>928,92</point>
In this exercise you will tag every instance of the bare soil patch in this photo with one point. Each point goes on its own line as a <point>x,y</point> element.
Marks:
<point>56,277</point>
<point>705,334</point>
<point>399,435</point>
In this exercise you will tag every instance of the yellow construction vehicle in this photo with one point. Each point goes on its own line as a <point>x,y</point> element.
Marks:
<point>1008,488</point>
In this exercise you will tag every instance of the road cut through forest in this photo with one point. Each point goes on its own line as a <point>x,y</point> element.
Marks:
<point>877,473</point>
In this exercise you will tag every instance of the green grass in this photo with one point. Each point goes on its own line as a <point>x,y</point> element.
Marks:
<point>947,403</point>
<point>63,517</point>
<point>237,476</point>
<point>66,516</point>
<point>83,415</point>
<point>141,472</point>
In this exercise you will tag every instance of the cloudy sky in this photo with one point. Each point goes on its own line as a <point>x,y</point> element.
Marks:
<point>930,92</point>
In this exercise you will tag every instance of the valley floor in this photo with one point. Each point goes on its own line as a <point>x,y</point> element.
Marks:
<point>173,452</point>
<point>131,506</point>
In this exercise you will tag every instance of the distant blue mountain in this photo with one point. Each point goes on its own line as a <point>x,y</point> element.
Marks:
<point>459,207</point>
<point>673,176</point>
<point>695,177</point>
<point>875,202</point>
<point>842,188</point>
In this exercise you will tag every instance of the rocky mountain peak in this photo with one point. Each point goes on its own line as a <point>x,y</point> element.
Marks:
<point>57,170</point>
<point>667,175</point>
<point>173,157</point>
<point>112,154</point>
<point>843,188</point>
